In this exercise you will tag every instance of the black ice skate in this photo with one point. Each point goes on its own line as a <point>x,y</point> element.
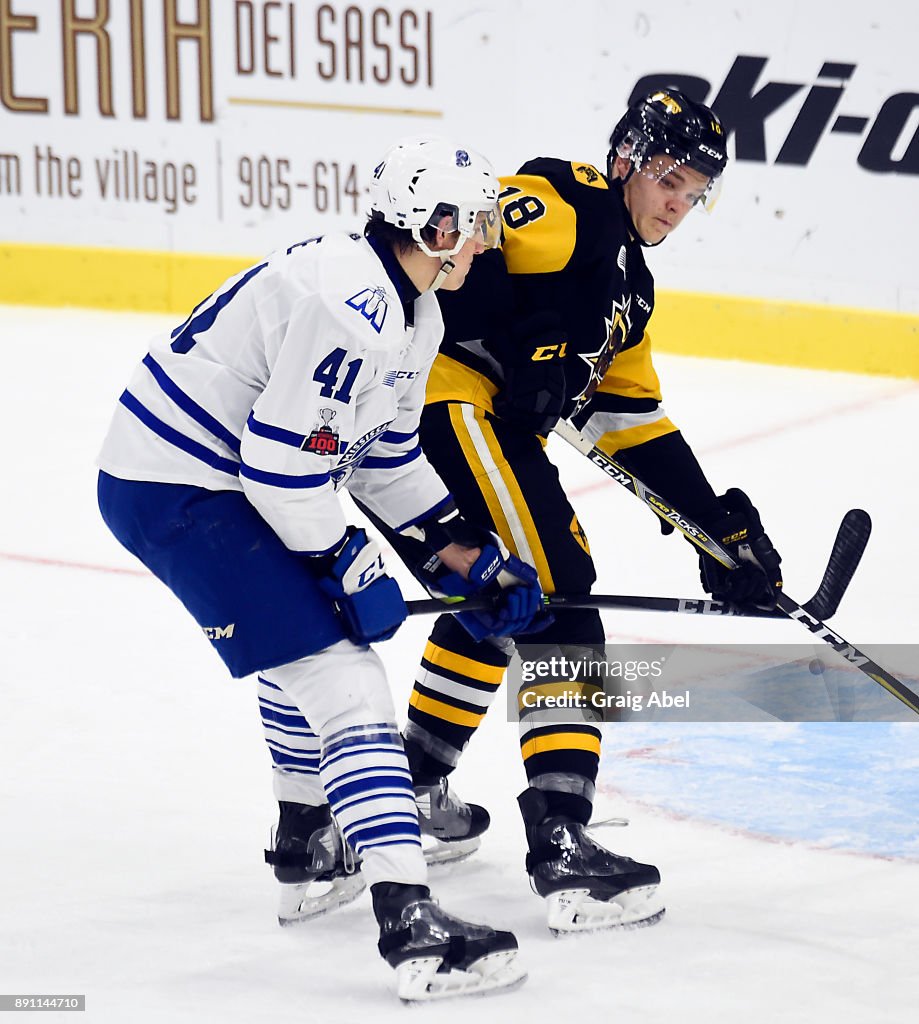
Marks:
<point>450,827</point>
<point>436,955</point>
<point>586,887</point>
<point>315,866</point>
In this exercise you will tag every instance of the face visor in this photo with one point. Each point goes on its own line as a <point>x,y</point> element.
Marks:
<point>694,180</point>
<point>471,221</point>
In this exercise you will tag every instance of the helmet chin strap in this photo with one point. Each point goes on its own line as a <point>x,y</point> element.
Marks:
<point>447,266</point>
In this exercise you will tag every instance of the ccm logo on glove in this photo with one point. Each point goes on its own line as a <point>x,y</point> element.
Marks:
<point>485,574</point>
<point>370,605</point>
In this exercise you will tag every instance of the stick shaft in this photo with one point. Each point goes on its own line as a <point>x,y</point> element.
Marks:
<point>700,538</point>
<point>625,602</point>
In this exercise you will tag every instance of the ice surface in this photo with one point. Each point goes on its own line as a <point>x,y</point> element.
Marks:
<point>135,790</point>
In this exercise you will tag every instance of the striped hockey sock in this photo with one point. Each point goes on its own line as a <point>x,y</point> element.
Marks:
<point>365,775</point>
<point>457,682</point>
<point>293,746</point>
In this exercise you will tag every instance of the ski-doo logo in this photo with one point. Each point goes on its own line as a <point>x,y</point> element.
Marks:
<point>747,99</point>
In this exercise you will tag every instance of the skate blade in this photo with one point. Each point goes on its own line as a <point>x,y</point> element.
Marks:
<point>420,980</point>
<point>571,911</point>
<point>438,851</point>
<point>302,902</point>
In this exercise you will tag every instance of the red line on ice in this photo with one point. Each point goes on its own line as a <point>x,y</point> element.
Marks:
<point>61,563</point>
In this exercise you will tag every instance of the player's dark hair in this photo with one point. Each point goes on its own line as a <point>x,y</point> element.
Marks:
<point>388,234</point>
<point>378,228</point>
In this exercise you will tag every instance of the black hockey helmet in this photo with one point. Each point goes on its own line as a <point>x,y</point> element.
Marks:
<point>668,121</point>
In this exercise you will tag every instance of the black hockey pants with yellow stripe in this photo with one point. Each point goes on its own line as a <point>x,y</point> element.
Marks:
<point>502,478</point>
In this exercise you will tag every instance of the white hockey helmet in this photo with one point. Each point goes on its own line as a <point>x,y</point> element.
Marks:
<point>422,180</point>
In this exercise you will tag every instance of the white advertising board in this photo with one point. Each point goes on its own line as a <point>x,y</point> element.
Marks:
<point>235,126</point>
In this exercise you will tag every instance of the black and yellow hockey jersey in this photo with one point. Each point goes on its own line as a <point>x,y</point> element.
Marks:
<point>567,249</point>
<point>570,250</point>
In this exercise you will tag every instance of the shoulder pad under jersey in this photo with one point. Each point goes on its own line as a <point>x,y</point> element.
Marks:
<point>550,208</point>
<point>356,290</point>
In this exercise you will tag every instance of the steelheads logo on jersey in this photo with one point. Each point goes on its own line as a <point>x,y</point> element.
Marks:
<point>587,174</point>
<point>748,98</point>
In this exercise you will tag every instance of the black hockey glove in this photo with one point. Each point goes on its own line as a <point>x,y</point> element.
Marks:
<point>758,579</point>
<point>533,395</point>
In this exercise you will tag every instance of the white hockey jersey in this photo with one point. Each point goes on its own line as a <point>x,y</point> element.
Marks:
<point>296,377</point>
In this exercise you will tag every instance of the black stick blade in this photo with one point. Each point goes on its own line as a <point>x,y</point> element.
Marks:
<point>848,548</point>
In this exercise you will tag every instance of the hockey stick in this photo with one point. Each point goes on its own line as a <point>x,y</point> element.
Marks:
<point>433,606</point>
<point>807,617</point>
<point>844,558</point>
<point>848,548</point>
<point>626,602</point>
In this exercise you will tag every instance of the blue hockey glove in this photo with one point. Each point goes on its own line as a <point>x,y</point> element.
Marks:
<point>496,573</point>
<point>518,597</point>
<point>737,527</point>
<point>368,600</point>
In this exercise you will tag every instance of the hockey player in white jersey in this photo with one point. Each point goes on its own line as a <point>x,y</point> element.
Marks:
<point>301,375</point>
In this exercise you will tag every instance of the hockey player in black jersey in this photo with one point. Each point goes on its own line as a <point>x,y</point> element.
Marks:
<point>554,325</point>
